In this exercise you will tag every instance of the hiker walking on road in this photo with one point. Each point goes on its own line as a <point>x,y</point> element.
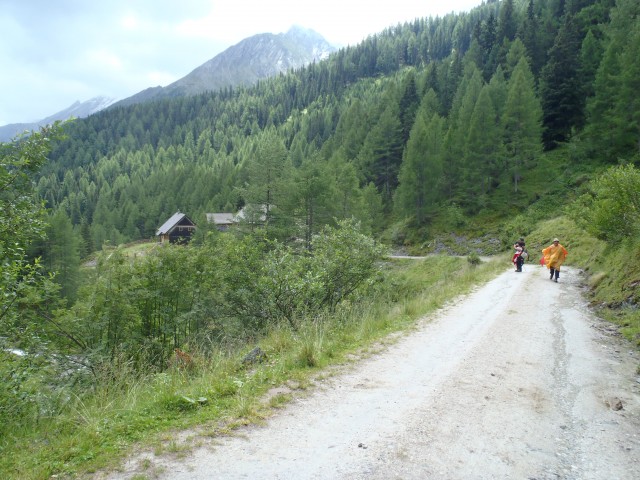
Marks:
<point>554,256</point>
<point>520,254</point>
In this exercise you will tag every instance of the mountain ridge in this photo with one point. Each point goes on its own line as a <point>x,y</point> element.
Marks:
<point>75,110</point>
<point>255,58</point>
<point>252,59</point>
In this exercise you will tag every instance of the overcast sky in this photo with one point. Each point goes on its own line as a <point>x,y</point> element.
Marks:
<point>56,52</point>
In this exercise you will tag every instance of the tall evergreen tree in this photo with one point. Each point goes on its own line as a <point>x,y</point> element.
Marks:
<point>612,129</point>
<point>352,128</point>
<point>590,58</point>
<point>458,128</point>
<point>374,209</point>
<point>498,91</point>
<point>346,194</point>
<point>560,86</point>
<point>530,35</point>
<point>312,191</point>
<point>489,42</point>
<point>482,154</point>
<point>409,102</point>
<point>421,173</point>
<point>62,254</point>
<point>267,174</point>
<point>507,21</point>
<point>628,104</point>
<point>515,53</point>
<point>452,74</point>
<point>382,151</point>
<point>521,122</point>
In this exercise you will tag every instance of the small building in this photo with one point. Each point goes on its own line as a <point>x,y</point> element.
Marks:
<point>179,228</point>
<point>252,215</point>
<point>222,221</point>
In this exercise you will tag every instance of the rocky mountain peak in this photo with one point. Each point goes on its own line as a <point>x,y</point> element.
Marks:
<point>255,58</point>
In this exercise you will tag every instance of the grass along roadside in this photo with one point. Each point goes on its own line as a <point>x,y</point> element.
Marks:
<point>219,393</point>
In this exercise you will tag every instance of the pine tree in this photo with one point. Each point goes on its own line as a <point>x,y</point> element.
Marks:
<point>521,123</point>
<point>458,128</point>
<point>267,174</point>
<point>372,201</point>
<point>515,53</point>
<point>561,89</point>
<point>612,127</point>
<point>530,36</point>
<point>352,128</point>
<point>628,104</point>
<point>382,151</point>
<point>507,22</point>
<point>421,173</point>
<point>409,102</point>
<point>498,91</point>
<point>590,58</point>
<point>347,197</point>
<point>312,191</point>
<point>482,153</point>
<point>62,254</point>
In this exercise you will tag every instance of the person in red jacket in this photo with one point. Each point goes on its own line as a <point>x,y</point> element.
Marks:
<point>520,254</point>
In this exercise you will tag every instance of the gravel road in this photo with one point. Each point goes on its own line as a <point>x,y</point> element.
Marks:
<point>517,380</point>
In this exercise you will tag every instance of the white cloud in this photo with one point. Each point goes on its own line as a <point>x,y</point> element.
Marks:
<point>103,59</point>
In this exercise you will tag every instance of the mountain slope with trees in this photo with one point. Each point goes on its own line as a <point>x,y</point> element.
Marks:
<point>120,173</point>
<point>490,123</point>
<point>453,124</point>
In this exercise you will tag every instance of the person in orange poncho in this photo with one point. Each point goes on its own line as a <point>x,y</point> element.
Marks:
<point>554,256</point>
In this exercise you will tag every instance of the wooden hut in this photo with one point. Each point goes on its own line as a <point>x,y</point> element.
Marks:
<point>179,228</point>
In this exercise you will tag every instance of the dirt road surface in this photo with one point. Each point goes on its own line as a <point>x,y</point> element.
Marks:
<point>517,380</point>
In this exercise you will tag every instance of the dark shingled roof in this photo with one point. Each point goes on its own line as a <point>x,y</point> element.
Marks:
<point>169,224</point>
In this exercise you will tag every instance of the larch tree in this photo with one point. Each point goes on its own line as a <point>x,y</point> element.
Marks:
<point>498,91</point>
<point>267,174</point>
<point>383,151</point>
<point>409,102</point>
<point>421,173</point>
<point>62,254</point>
<point>312,191</point>
<point>628,104</point>
<point>347,197</point>
<point>521,123</point>
<point>458,128</point>
<point>482,153</point>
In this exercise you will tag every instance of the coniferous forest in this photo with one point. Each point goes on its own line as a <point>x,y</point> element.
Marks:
<point>467,101</point>
<point>478,123</point>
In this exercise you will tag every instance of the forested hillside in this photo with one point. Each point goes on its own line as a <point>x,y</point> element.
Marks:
<point>469,102</point>
<point>480,123</point>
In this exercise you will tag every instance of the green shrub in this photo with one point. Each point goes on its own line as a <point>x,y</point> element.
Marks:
<point>474,259</point>
<point>611,208</point>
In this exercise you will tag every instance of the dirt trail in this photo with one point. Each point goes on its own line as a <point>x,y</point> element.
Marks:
<point>517,380</point>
